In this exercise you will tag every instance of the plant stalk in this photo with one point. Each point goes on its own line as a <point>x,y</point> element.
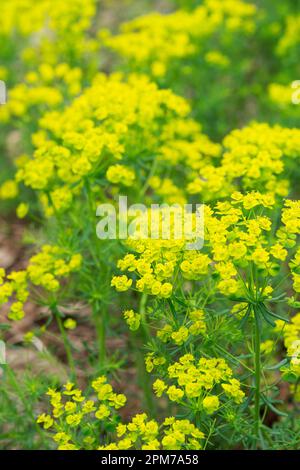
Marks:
<point>66,342</point>
<point>100,325</point>
<point>143,337</point>
<point>257,375</point>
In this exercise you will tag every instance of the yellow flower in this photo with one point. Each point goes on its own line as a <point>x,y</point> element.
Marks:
<point>8,190</point>
<point>22,210</point>
<point>46,420</point>
<point>121,283</point>
<point>132,319</point>
<point>180,336</point>
<point>117,400</point>
<point>16,311</point>
<point>174,393</point>
<point>74,419</point>
<point>159,387</point>
<point>102,412</point>
<point>70,324</point>
<point>119,174</point>
<point>267,346</point>
<point>166,290</point>
<point>210,404</point>
<point>279,252</point>
<point>232,389</point>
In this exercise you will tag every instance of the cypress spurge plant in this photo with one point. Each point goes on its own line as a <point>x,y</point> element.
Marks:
<point>243,267</point>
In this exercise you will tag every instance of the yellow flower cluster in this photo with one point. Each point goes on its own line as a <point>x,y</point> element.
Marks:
<point>75,419</point>
<point>120,174</point>
<point>14,285</point>
<point>167,190</point>
<point>281,94</point>
<point>193,149</point>
<point>152,361</point>
<point>132,319</point>
<point>142,433</point>
<point>8,190</point>
<point>44,270</point>
<point>70,409</point>
<point>294,353</point>
<point>42,90</point>
<point>155,265</point>
<point>121,283</point>
<point>155,40</point>
<point>92,133</point>
<point>111,120</point>
<point>291,220</point>
<point>58,28</point>
<point>291,336</point>
<point>235,238</point>
<point>26,17</point>
<point>291,331</point>
<point>194,324</point>
<point>200,384</point>
<point>256,157</point>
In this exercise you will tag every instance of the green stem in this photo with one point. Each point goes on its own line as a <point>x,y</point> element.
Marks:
<point>143,336</point>
<point>257,375</point>
<point>142,311</point>
<point>66,342</point>
<point>100,321</point>
<point>99,308</point>
<point>144,379</point>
